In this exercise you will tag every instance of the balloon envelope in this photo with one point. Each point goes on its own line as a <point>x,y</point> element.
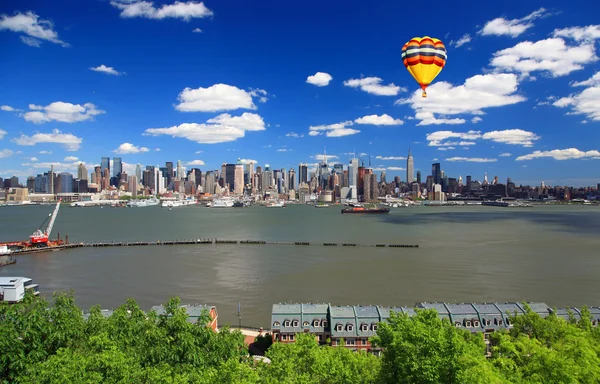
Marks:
<point>424,58</point>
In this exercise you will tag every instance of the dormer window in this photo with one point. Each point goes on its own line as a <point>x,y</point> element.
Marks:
<point>323,323</point>
<point>295,323</point>
<point>476,323</point>
<point>498,321</point>
<point>306,324</point>
<point>286,323</point>
<point>364,327</point>
<point>457,324</point>
<point>316,323</point>
<point>468,323</point>
<point>374,327</point>
<point>339,327</point>
<point>349,327</point>
<point>276,324</point>
<point>507,322</point>
<point>487,322</point>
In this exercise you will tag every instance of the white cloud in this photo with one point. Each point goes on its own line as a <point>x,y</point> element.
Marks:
<point>589,33</point>
<point>179,10</point>
<point>103,68</point>
<point>197,30</point>
<point>477,93</point>
<point>5,153</point>
<point>128,149</point>
<point>551,55</point>
<point>45,152</point>
<point>68,140</point>
<point>30,24</point>
<point>373,86</point>
<point>198,152</point>
<point>333,130</point>
<point>218,97</point>
<point>501,26</point>
<point>200,133</point>
<point>476,120</point>
<point>33,159</point>
<point>157,149</point>
<point>561,154</point>
<point>396,169</point>
<point>283,150</point>
<point>247,121</point>
<point>390,158</point>
<point>321,157</point>
<point>61,111</point>
<point>248,161</point>
<point>472,159</point>
<point>320,79</point>
<point>195,162</point>
<point>378,120</point>
<point>594,80</point>
<point>505,154</point>
<point>466,38</point>
<point>587,102</point>
<point>68,158</point>
<point>2,134</point>
<point>31,41</point>
<point>436,138</point>
<point>512,136</point>
<point>446,148</point>
<point>8,108</point>
<point>260,93</point>
<point>294,135</point>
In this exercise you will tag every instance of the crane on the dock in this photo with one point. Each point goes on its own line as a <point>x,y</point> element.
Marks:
<point>39,238</point>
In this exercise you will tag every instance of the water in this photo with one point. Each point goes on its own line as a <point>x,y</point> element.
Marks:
<point>545,253</point>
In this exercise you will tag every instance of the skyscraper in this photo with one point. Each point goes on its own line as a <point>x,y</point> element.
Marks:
<point>419,177</point>
<point>353,173</point>
<point>292,179</point>
<point>65,182</point>
<point>169,165</point>
<point>105,164</point>
<point>410,168</point>
<point>117,167</point>
<point>338,168</point>
<point>303,173</point>
<point>82,172</point>
<point>436,173</point>
<point>238,183</point>
<point>180,170</point>
<point>229,176</point>
<point>138,172</point>
<point>382,177</point>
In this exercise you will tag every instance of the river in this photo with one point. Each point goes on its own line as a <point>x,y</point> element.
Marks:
<point>473,253</point>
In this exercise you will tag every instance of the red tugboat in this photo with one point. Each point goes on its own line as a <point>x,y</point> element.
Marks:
<point>361,209</point>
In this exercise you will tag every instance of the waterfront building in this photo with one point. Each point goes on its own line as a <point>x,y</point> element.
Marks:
<point>410,168</point>
<point>12,289</point>
<point>17,195</point>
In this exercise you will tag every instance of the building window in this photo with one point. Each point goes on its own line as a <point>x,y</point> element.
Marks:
<point>283,337</point>
<point>487,322</point>
<point>324,323</point>
<point>292,337</point>
<point>349,327</point>
<point>316,323</point>
<point>276,324</point>
<point>339,327</point>
<point>350,342</point>
<point>457,324</point>
<point>374,327</point>
<point>295,323</point>
<point>286,323</point>
<point>476,323</point>
<point>468,323</point>
<point>507,322</point>
<point>365,341</point>
<point>320,337</point>
<point>306,324</point>
<point>364,327</point>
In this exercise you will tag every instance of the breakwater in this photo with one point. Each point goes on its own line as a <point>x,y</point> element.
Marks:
<point>209,241</point>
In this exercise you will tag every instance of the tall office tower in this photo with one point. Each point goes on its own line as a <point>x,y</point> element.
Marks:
<point>160,181</point>
<point>132,185</point>
<point>367,184</point>
<point>291,179</point>
<point>105,164</point>
<point>460,182</point>
<point>303,173</point>
<point>97,175</point>
<point>353,173</point>
<point>169,165</point>
<point>117,167</point>
<point>410,168</point>
<point>338,168</point>
<point>419,177</point>
<point>360,181</point>
<point>82,172</point>
<point>468,185</point>
<point>209,182</point>
<point>180,170</point>
<point>250,170</point>
<point>138,172</point>
<point>382,177</point>
<point>238,176</point>
<point>436,173</point>
<point>51,176</point>
<point>229,176</point>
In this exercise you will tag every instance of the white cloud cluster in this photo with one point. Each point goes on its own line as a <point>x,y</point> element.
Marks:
<point>373,86</point>
<point>588,33</point>
<point>4,153</point>
<point>104,69</point>
<point>294,135</point>
<point>61,111</point>
<point>477,93</point>
<point>390,158</point>
<point>322,157</point>
<point>248,161</point>
<point>320,79</point>
<point>218,97</point>
<point>501,26</point>
<point>465,39</point>
<point>2,134</point>
<point>68,158</point>
<point>562,154</point>
<point>396,169</point>
<point>472,159</point>
<point>505,154</point>
<point>260,93</point>
<point>587,102</point>
<point>30,24</point>
<point>68,140</point>
<point>552,55</point>
<point>476,120</point>
<point>378,120</point>
<point>8,108</point>
<point>220,129</point>
<point>128,149</point>
<point>507,136</point>
<point>333,130</point>
<point>195,162</point>
<point>197,30</point>
<point>178,10</point>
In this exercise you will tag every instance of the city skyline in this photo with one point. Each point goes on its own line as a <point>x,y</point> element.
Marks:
<point>200,83</point>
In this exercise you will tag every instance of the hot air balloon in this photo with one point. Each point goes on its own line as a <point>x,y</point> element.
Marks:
<point>424,58</point>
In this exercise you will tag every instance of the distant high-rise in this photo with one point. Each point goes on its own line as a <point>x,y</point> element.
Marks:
<point>82,172</point>
<point>51,177</point>
<point>338,168</point>
<point>169,165</point>
<point>353,173</point>
<point>292,179</point>
<point>65,180</point>
<point>117,167</point>
<point>180,170</point>
<point>132,185</point>
<point>238,182</point>
<point>436,173</point>
<point>229,176</point>
<point>303,173</point>
<point>138,172</point>
<point>419,177</point>
<point>410,168</point>
<point>382,177</point>
<point>105,164</point>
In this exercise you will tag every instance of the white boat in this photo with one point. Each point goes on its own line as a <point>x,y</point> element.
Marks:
<point>321,205</point>
<point>225,202</point>
<point>144,203</point>
<point>178,203</point>
<point>279,204</point>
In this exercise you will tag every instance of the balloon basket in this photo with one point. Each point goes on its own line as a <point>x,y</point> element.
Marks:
<point>424,94</point>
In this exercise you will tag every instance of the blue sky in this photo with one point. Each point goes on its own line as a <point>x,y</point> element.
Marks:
<point>278,82</point>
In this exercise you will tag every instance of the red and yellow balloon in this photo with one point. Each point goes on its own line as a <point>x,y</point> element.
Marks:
<point>424,58</point>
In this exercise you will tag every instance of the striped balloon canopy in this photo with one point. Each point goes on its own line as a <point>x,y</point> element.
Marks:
<point>424,58</point>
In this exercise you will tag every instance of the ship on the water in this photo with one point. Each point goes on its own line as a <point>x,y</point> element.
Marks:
<point>144,203</point>
<point>179,203</point>
<point>361,209</point>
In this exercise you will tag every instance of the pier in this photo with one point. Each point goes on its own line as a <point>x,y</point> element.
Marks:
<point>207,241</point>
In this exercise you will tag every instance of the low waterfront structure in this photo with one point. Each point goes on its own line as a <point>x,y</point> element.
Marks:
<point>12,289</point>
<point>194,312</point>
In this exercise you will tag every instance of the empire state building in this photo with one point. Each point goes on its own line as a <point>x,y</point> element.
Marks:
<point>410,168</point>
